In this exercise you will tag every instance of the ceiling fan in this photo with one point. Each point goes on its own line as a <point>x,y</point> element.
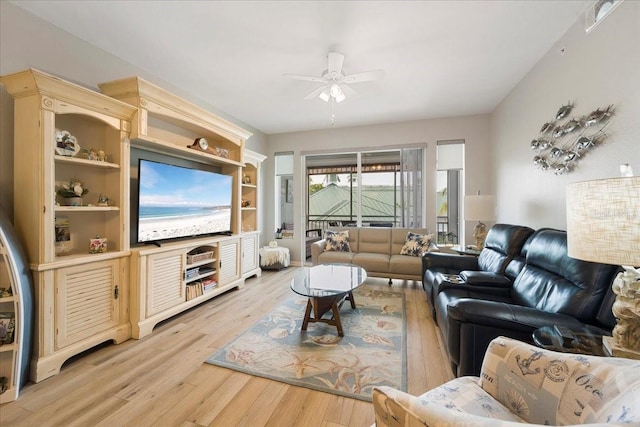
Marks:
<point>335,84</point>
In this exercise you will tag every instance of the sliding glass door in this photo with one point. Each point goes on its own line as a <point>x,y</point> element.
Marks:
<point>372,188</point>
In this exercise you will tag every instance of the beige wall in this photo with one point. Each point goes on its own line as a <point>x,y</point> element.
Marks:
<point>474,130</point>
<point>597,69</point>
<point>28,41</point>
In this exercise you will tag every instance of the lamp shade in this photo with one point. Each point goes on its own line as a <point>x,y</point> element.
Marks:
<point>603,221</point>
<point>480,208</point>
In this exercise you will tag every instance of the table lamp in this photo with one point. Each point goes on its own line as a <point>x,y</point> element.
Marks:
<point>480,208</point>
<point>603,225</point>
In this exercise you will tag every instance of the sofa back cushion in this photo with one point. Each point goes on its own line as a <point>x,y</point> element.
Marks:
<point>380,240</point>
<point>554,282</point>
<point>549,388</point>
<point>503,243</point>
<point>375,240</point>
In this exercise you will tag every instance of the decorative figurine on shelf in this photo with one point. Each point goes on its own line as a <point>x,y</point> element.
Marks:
<point>245,203</point>
<point>102,157</point>
<point>71,192</point>
<point>98,245</point>
<point>246,179</point>
<point>222,152</point>
<point>66,144</point>
<point>103,200</point>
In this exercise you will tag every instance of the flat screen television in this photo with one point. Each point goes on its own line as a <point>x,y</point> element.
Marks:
<point>177,202</point>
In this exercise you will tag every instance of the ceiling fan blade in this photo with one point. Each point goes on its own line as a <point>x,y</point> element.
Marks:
<point>335,61</point>
<point>348,91</point>
<point>305,78</point>
<point>363,77</point>
<point>315,93</point>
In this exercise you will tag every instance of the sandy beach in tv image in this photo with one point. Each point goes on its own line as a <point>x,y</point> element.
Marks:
<point>180,202</point>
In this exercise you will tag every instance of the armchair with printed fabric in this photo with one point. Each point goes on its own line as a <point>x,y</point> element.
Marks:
<point>520,383</point>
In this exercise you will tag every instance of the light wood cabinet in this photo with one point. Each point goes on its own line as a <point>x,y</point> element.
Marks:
<point>160,275</point>
<point>167,123</point>
<point>229,268</point>
<point>87,301</point>
<point>57,237</point>
<point>165,284</point>
<point>250,200</point>
<point>250,213</point>
<point>83,298</point>
<point>249,254</point>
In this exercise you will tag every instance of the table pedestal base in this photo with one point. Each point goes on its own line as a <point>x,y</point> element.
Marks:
<point>322,305</point>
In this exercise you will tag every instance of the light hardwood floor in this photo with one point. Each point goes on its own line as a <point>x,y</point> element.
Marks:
<point>162,380</point>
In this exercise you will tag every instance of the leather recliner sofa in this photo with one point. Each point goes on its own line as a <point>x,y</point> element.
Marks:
<point>550,289</point>
<point>496,267</point>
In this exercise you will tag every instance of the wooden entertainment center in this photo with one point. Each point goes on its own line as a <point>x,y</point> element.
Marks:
<point>83,299</point>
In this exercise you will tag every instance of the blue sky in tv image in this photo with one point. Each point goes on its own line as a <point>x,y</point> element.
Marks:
<point>176,201</point>
<point>177,187</point>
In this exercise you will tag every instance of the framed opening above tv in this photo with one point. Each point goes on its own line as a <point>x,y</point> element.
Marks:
<point>175,202</point>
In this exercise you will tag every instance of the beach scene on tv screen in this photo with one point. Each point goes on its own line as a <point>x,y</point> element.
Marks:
<point>180,202</point>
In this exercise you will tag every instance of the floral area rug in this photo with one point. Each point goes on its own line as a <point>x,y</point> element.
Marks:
<point>372,352</point>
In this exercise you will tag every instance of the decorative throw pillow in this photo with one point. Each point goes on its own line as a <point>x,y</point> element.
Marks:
<point>337,241</point>
<point>416,244</point>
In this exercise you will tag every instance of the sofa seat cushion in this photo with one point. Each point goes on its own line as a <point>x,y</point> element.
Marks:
<point>470,319</point>
<point>463,395</point>
<point>372,262</point>
<point>333,257</point>
<point>404,264</point>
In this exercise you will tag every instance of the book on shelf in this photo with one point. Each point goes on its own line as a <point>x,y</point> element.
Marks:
<point>207,270</point>
<point>7,327</point>
<point>194,290</point>
<point>63,244</point>
<point>192,272</point>
<point>209,284</point>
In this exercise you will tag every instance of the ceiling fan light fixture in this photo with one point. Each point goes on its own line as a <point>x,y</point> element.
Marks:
<point>335,90</point>
<point>341,97</point>
<point>324,95</point>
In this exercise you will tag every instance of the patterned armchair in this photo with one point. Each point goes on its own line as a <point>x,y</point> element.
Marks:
<point>520,383</point>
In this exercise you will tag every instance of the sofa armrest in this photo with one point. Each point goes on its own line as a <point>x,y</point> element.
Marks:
<point>485,278</point>
<point>316,249</point>
<point>450,262</point>
<point>395,408</point>
<point>506,316</point>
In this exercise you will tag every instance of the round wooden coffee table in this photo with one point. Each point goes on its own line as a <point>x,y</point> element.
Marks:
<point>327,286</point>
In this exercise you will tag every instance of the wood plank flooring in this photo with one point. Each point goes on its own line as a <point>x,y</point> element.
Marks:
<point>162,380</point>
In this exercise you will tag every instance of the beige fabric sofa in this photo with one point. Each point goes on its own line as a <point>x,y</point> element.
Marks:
<point>377,250</point>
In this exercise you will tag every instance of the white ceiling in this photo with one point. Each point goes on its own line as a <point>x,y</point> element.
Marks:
<point>440,58</point>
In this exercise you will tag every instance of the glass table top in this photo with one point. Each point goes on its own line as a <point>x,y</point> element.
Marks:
<point>584,340</point>
<point>328,279</point>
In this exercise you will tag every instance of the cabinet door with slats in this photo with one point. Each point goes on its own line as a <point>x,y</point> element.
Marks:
<point>229,265</point>
<point>249,253</point>
<point>86,301</point>
<point>166,287</point>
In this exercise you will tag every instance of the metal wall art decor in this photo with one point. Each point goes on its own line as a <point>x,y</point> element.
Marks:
<point>562,142</point>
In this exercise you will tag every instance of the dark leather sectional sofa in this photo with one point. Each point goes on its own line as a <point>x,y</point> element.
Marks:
<point>522,280</point>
